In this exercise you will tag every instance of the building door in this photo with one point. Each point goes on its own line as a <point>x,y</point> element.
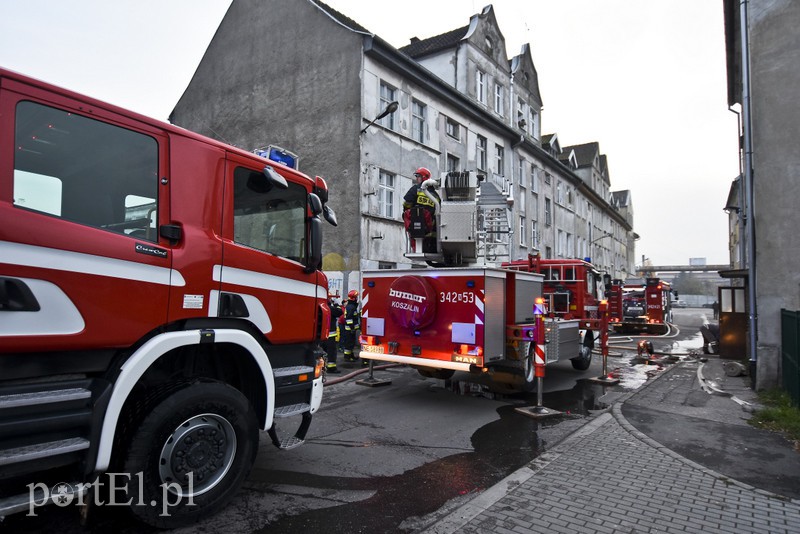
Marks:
<point>733,323</point>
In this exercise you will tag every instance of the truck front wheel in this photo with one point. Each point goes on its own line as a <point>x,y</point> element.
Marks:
<point>190,455</point>
<point>582,362</point>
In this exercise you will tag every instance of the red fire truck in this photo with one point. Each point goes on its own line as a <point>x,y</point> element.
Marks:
<point>475,318</point>
<point>640,307</point>
<point>573,289</point>
<point>160,302</point>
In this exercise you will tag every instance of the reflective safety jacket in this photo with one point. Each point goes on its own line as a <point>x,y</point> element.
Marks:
<point>352,317</point>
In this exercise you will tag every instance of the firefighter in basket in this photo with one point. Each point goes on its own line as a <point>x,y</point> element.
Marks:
<point>420,206</point>
<point>330,343</point>
<point>352,323</point>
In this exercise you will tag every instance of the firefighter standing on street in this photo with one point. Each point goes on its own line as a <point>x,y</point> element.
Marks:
<point>419,210</point>
<point>330,343</point>
<point>352,322</point>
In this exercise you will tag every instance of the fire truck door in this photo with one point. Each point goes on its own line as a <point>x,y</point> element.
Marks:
<point>80,221</point>
<point>265,253</point>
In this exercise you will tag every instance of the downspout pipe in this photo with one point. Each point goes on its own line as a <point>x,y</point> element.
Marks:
<point>748,183</point>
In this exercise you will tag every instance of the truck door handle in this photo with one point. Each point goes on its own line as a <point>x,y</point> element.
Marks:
<point>15,295</point>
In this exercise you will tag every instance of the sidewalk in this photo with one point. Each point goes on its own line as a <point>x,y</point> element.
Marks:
<point>677,455</point>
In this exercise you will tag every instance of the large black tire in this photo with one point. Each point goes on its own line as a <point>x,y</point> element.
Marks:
<point>528,370</point>
<point>582,362</point>
<point>208,429</point>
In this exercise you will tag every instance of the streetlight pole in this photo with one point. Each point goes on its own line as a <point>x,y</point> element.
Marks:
<point>391,107</point>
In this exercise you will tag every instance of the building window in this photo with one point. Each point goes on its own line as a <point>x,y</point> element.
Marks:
<point>521,172</point>
<point>452,128</point>
<point>387,95</point>
<point>547,178</point>
<point>523,226</point>
<point>386,182</point>
<point>453,163</point>
<point>534,179</point>
<point>548,252</point>
<point>418,111</point>
<point>498,99</point>
<point>559,244</point>
<point>480,86</point>
<point>481,153</point>
<point>559,193</point>
<point>534,124</point>
<point>548,212</point>
<point>535,234</point>
<point>499,156</point>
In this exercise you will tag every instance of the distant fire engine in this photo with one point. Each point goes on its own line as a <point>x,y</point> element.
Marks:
<point>640,307</point>
<point>573,289</point>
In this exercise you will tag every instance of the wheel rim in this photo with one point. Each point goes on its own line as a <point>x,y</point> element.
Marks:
<point>203,447</point>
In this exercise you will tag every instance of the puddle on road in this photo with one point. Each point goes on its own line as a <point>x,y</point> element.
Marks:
<point>692,345</point>
<point>397,501</point>
<point>580,400</point>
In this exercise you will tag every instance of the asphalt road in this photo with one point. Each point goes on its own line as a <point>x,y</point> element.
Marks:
<point>394,458</point>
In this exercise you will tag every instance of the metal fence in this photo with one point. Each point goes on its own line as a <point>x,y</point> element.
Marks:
<point>790,350</point>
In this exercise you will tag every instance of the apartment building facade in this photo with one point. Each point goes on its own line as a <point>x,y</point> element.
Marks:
<point>303,76</point>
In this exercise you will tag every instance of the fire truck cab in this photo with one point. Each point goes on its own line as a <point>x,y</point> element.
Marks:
<point>161,301</point>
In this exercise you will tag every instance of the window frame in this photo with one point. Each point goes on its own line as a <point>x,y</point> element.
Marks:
<point>387,93</point>
<point>548,211</point>
<point>481,147</point>
<point>385,208</point>
<point>480,86</point>
<point>452,128</point>
<point>499,157</point>
<point>418,120</point>
<point>452,160</point>
<point>498,99</point>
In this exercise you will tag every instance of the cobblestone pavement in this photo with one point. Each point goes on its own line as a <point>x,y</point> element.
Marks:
<point>608,477</point>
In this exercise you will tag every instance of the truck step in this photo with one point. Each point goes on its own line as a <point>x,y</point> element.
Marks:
<point>21,503</point>
<point>290,442</point>
<point>292,409</point>
<point>42,450</point>
<point>292,371</point>
<point>43,397</point>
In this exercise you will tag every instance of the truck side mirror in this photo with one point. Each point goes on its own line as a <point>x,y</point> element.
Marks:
<point>315,204</point>
<point>329,215</point>
<point>315,245</point>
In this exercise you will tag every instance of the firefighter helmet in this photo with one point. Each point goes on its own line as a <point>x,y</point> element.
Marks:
<point>423,172</point>
<point>352,294</point>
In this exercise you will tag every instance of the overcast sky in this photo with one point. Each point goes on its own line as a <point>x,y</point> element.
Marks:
<point>644,78</point>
